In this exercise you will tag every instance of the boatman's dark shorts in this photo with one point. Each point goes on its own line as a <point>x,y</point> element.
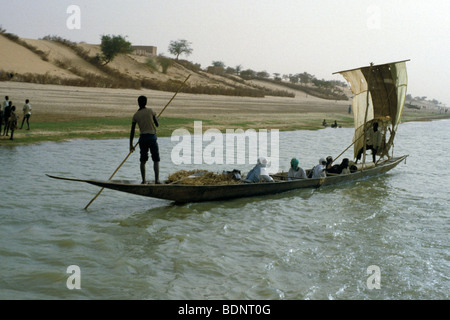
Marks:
<point>149,141</point>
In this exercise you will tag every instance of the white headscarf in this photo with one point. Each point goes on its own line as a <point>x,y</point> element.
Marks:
<point>262,161</point>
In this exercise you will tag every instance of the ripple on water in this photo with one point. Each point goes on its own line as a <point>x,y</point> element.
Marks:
<point>303,244</point>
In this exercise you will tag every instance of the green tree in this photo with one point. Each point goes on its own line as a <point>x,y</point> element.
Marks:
<point>219,64</point>
<point>164,62</point>
<point>238,69</point>
<point>151,63</point>
<point>262,75</point>
<point>230,70</point>
<point>305,78</point>
<point>248,74</point>
<point>180,47</point>
<point>294,78</point>
<point>111,46</point>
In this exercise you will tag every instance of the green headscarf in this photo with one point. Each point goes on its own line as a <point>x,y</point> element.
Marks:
<point>294,164</point>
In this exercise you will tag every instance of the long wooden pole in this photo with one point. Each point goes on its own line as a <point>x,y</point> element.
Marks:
<point>182,85</point>
<point>126,158</point>
<point>365,116</point>
<point>347,148</point>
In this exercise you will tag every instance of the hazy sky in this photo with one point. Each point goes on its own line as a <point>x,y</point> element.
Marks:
<point>277,36</point>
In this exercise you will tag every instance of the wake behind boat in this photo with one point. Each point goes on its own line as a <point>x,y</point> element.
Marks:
<point>379,97</point>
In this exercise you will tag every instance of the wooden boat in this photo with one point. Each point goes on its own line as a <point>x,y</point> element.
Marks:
<point>180,193</point>
<point>379,95</point>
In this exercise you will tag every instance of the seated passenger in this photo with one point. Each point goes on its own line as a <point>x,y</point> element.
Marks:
<point>344,166</point>
<point>329,162</point>
<point>295,172</point>
<point>259,172</point>
<point>319,170</point>
<point>338,168</point>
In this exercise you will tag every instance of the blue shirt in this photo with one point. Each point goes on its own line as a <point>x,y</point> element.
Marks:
<point>254,175</point>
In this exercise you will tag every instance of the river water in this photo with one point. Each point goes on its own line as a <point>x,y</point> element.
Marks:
<point>382,238</point>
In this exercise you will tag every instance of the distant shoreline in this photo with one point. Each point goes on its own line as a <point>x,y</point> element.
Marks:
<point>62,113</point>
<point>21,139</point>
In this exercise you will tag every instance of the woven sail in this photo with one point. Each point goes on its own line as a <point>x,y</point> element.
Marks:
<point>379,95</point>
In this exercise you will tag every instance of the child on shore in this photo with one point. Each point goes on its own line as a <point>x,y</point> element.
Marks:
<point>13,121</point>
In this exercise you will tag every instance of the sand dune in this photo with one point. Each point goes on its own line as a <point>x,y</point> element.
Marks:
<point>58,52</point>
<point>18,59</point>
<point>135,66</point>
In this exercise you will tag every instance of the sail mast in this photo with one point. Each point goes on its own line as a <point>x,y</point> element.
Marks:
<point>365,116</point>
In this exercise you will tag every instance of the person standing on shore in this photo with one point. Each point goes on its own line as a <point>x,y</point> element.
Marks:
<point>6,102</point>
<point>2,109</point>
<point>6,115</point>
<point>147,122</point>
<point>26,113</point>
<point>1,118</point>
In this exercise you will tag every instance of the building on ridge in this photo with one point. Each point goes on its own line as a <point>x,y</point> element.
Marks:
<point>148,51</point>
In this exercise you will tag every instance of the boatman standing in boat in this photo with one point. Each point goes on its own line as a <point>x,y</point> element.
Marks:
<point>147,121</point>
<point>374,141</point>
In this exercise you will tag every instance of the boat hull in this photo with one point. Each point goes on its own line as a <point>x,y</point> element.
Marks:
<point>198,193</point>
